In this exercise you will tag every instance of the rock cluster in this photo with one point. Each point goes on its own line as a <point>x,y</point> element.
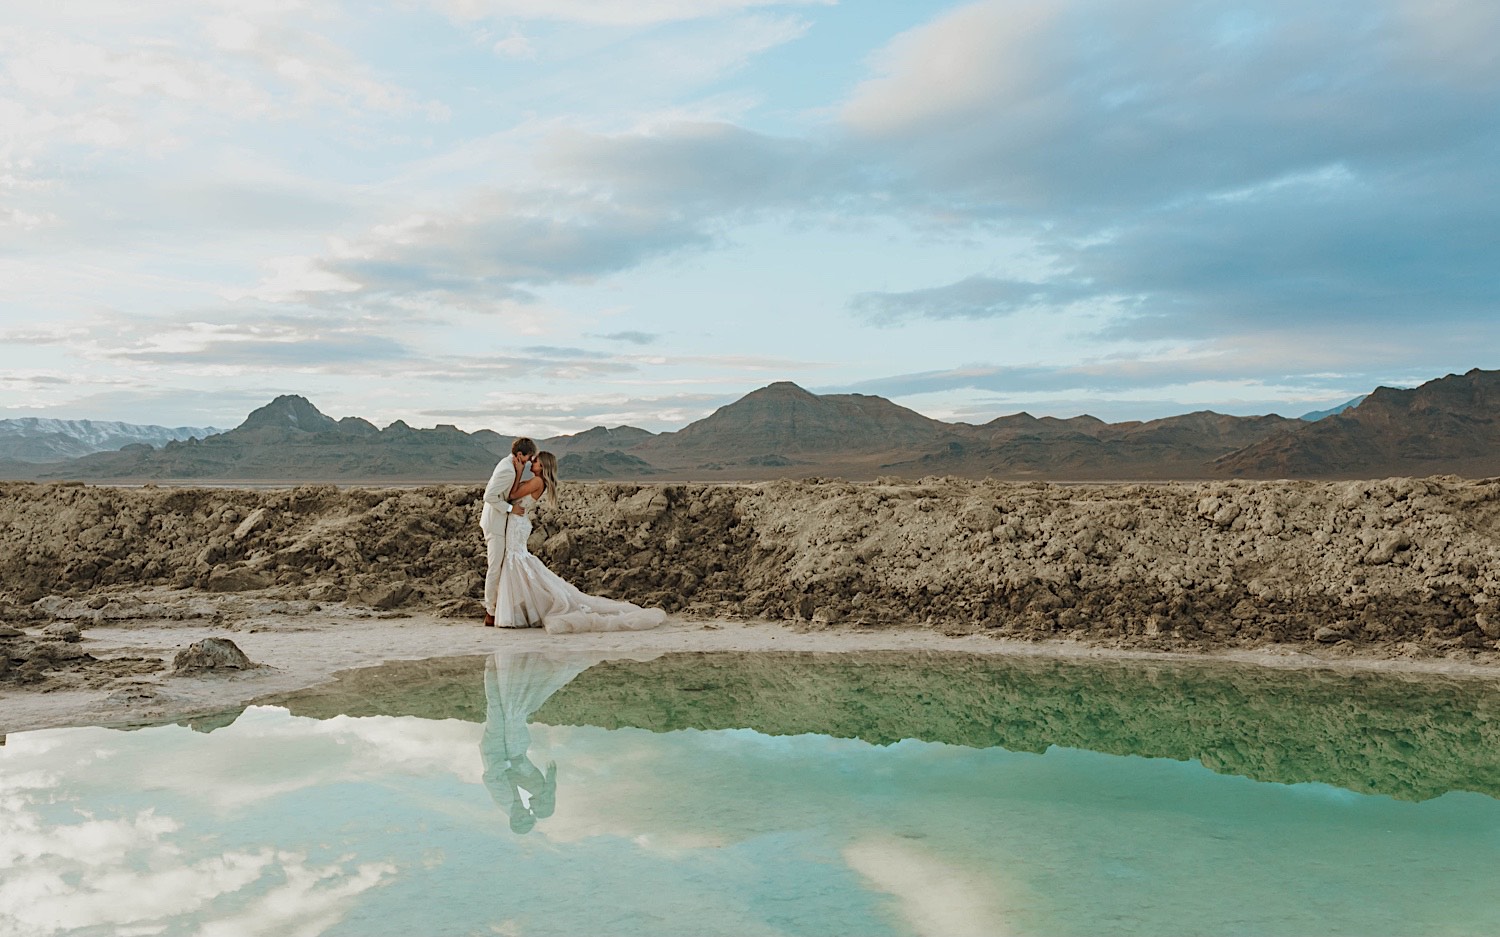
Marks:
<point>1390,562</point>
<point>211,654</point>
<point>26,658</point>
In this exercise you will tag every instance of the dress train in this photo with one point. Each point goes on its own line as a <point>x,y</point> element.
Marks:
<point>532,595</point>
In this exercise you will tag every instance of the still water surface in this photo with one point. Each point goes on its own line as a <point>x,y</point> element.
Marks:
<point>773,794</point>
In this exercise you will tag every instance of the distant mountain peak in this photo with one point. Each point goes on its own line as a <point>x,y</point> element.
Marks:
<point>781,389</point>
<point>1317,415</point>
<point>785,418</point>
<point>289,411</point>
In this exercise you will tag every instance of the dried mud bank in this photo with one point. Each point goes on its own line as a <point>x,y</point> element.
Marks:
<point>1406,567</point>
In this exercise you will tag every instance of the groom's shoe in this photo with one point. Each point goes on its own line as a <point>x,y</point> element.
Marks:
<point>489,620</point>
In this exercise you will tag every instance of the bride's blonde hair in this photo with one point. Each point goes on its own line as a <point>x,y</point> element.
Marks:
<point>545,468</point>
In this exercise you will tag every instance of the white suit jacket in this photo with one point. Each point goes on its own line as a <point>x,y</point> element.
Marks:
<point>492,517</point>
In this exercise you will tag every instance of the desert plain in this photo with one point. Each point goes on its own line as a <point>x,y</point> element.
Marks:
<point>101,587</point>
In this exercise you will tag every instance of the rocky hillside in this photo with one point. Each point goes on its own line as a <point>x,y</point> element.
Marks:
<point>1088,448</point>
<point>595,463</point>
<point>598,439</point>
<point>1408,564</point>
<point>34,439</point>
<point>784,419</point>
<point>1449,425</point>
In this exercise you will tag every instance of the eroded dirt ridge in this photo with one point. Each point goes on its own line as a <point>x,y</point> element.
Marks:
<point>1413,561</point>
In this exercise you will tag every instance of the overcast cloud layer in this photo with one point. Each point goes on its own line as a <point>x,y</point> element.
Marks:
<point>540,216</point>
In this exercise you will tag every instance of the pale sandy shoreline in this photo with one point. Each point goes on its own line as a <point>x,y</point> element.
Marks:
<point>307,650</point>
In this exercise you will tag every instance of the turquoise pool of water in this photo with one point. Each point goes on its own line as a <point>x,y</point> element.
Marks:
<point>772,794</point>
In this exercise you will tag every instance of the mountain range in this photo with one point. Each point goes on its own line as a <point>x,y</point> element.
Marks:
<point>783,430</point>
<point>1446,426</point>
<point>290,439</point>
<point>34,439</point>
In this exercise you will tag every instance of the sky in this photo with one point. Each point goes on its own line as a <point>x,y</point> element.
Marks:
<point>543,215</point>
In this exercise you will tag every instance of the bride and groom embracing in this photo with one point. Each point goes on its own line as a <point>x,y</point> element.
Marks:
<point>519,590</point>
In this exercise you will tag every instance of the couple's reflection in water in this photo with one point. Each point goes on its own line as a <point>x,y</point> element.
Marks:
<point>515,686</point>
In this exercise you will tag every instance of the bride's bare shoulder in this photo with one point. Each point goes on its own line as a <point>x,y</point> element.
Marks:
<point>531,486</point>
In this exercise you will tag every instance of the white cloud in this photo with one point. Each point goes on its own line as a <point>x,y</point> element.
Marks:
<point>16,218</point>
<point>1456,39</point>
<point>608,12</point>
<point>43,333</point>
<point>515,46</point>
<point>42,900</point>
<point>498,243</point>
<point>976,297</point>
<point>1056,109</point>
<point>135,873</point>
<point>542,415</point>
<point>288,279</point>
<point>62,90</point>
<point>57,891</point>
<point>962,65</point>
<point>936,897</point>
<point>309,902</point>
<point>148,79</point>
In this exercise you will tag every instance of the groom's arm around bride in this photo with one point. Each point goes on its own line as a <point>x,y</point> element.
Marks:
<point>494,518</point>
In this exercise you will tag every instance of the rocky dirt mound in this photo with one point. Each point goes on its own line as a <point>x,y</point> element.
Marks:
<point>1407,563</point>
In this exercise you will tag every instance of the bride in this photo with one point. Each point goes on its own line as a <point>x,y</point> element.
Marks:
<point>530,594</point>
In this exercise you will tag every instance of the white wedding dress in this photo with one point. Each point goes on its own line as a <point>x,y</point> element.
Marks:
<point>532,595</point>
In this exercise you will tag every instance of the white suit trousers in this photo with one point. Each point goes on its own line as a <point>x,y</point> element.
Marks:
<point>494,552</point>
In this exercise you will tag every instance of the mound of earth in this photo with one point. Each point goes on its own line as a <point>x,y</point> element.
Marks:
<point>1404,563</point>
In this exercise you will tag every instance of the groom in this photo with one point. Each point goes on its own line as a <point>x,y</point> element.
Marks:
<point>494,519</point>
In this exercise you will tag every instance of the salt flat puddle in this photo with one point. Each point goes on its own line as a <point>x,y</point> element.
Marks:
<point>773,794</point>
